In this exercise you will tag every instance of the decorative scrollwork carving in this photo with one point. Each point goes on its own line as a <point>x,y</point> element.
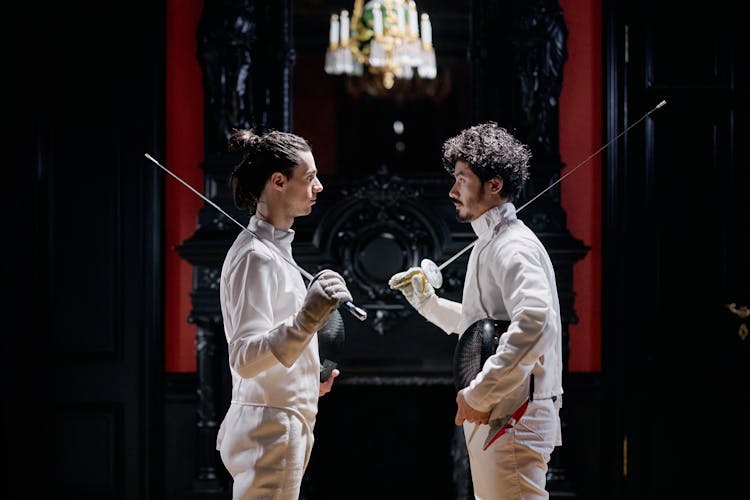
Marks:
<point>227,34</point>
<point>540,48</point>
<point>380,227</point>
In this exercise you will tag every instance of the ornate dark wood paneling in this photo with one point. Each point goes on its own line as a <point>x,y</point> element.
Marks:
<point>375,229</point>
<point>237,38</point>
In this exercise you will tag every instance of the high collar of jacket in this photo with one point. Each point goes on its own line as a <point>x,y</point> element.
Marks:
<point>281,237</point>
<point>493,218</point>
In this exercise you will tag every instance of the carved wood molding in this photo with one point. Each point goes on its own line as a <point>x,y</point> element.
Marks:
<point>380,226</point>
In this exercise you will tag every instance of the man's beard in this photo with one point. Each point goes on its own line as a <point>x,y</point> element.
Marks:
<point>462,218</point>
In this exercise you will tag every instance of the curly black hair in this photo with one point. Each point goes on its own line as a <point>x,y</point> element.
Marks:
<point>491,151</point>
<point>262,155</point>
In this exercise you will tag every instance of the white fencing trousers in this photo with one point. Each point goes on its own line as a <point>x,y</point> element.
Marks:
<point>266,451</point>
<point>514,467</point>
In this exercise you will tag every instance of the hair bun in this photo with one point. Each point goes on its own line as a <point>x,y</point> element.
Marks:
<point>242,140</point>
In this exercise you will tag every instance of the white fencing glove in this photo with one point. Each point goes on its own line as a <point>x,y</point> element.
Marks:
<point>414,285</point>
<point>324,294</point>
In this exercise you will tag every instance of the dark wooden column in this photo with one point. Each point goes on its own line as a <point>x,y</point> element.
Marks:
<point>246,56</point>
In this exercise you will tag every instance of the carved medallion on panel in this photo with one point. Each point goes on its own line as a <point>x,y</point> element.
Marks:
<point>379,227</point>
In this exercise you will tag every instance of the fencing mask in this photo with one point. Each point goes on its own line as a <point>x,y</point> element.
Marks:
<point>330,344</point>
<point>475,345</point>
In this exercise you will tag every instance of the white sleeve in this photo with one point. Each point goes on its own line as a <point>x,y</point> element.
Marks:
<point>251,288</point>
<point>444,313</point>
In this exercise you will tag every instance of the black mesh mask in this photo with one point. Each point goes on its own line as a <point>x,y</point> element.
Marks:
<point>475,345</point>
<point>330,344</point>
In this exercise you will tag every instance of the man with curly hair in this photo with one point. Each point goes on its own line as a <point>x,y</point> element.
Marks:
<point>510,279</point>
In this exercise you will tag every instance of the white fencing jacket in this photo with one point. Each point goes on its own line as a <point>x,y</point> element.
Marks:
<point>260,294</point>
<point>509,277</point>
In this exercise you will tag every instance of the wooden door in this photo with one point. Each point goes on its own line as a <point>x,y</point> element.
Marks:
<point>676,260</point>
<point>84,355</point>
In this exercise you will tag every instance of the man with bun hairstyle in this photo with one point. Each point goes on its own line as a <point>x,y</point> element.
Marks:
<point>510,279</point>
<point>271,319</point>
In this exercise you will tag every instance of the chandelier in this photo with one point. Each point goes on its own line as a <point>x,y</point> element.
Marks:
<point>383,38</point>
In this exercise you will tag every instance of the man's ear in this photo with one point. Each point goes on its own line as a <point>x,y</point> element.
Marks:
<point>278,180</point>
<point>495,185</point>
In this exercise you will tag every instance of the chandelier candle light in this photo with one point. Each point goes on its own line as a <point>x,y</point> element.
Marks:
<point>383,36</point>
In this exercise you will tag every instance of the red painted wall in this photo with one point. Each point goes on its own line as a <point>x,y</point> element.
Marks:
<point>184,154</point>
<point>580,136</point>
